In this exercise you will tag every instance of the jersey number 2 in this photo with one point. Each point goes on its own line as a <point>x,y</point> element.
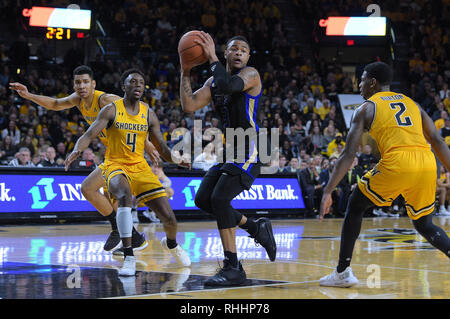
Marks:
<point>406,121</point>
<point>131,140</point>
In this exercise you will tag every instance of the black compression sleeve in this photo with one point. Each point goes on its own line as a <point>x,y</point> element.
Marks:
<point>225,83</point>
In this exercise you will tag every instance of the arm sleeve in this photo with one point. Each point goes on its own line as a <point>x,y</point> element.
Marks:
<point>226,83</point>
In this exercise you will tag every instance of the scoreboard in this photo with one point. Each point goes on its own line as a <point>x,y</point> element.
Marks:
<point>59,23</point>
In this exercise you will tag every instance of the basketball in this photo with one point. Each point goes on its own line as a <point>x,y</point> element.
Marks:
<point>191,53</point>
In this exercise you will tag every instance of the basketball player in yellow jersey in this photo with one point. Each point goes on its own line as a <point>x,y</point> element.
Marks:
<point>407,166</point>
<point>125,170</point>
<point>90,101</point>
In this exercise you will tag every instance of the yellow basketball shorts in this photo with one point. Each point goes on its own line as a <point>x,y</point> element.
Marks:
<point>411,174</point>
<point>144,184</point>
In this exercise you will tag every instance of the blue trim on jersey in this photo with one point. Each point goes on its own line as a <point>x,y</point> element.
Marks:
<point>242,169</point>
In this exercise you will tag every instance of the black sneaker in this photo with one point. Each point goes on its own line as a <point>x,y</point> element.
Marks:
<point>138,242</point>
<point>113,241</point>
<point>265,238</point>
<point>227,276</point>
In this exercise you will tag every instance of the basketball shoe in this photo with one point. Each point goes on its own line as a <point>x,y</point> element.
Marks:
<point>227,276</point>
<point>113,241</point>
<point>128,267</point>
<point>264,237</point>
<point>138,242</point>
<point>343,279</point>
<point>180,255</point>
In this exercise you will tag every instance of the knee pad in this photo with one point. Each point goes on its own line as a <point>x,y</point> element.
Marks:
<point>202,201</point>
<point>221,206</point>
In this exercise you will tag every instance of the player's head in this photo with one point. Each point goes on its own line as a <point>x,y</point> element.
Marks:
<point>83,81</point>
<point>376,75</point>
<point>237,52</point>
<point>132,82</point>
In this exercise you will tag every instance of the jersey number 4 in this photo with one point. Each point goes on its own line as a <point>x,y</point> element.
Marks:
<point>401,121</point>
<point>131,140</point>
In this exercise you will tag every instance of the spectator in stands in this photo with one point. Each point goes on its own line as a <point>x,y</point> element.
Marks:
<point>50,158</point>
<point>440,122</point>
<point>13,132</point>
<point>281,163</point>
<point>318,140</point>
<point>7,149</point>
<point>22,158</point>
<point>28,143</point>
<point>332,146</point>
<point>443,191</point>
<point>293,166</point>
<point>206,159</point>
<point>347,185</point>
<point>61,150</point>
<point>366,159</point>
<point>445,131</point>
<point>310,183</point>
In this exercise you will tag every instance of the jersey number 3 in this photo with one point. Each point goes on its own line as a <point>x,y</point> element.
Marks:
<point>131,140</point>
<point>405,121</point>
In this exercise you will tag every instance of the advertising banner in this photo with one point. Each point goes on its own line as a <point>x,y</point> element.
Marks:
<point>62,193</point>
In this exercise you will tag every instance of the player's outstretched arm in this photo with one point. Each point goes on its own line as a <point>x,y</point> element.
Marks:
<point>106,115</point>
<point>160,144</point>
<point>359,123</point>
<point>49,103</point>
<point>437,142</point>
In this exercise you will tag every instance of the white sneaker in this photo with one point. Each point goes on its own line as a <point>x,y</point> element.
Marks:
<point>152,216</point>
<point>393,214</point>
<point>443,211</point>
<point>128,267</point>
<point>344,279</point>
<point>178,253</point>
<point>379,212</point>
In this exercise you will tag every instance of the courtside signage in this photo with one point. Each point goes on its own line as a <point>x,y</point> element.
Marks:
<point>266,193</point>
<point>62,193</point>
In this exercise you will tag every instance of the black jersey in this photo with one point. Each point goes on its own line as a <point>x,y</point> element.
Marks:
<point>238,110</point>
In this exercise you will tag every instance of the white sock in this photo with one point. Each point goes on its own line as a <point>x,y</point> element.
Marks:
<point>124,221</point>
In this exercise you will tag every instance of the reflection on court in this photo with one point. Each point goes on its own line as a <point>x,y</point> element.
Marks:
<point>68,261</point>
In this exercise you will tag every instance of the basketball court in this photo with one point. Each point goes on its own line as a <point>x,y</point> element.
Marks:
<point>390,260</point>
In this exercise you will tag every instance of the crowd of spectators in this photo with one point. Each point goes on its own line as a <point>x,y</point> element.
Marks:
<point>299,93</point>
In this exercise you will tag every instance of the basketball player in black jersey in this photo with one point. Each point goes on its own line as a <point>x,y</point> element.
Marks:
<point>235,92</point>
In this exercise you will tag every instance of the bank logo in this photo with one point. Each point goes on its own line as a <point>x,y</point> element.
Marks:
<point>4,193</point>
<point>189,192</point>
<point>44,184</point>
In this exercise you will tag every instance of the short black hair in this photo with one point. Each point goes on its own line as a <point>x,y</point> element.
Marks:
<point>240,38</point>
<point>128,72</point>
<point>83,69</point>
<point>379,71</point>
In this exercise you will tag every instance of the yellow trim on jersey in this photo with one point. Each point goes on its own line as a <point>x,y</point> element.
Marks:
<point>251,159</point>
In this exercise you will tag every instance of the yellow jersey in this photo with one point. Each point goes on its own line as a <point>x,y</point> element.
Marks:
<point>126,135</point>
<point>90,113</point>
<point>397,123</point>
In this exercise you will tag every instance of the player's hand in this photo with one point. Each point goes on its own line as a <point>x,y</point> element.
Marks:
<point>325,205</point>
<point>209,48</point>
<point>153,153</point>
<point>186,69</point>
<point>21,89</point>
<point>72,156</point>
<point>187,165</point>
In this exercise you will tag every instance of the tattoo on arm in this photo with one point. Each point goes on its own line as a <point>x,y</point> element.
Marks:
<point>187,87</point>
